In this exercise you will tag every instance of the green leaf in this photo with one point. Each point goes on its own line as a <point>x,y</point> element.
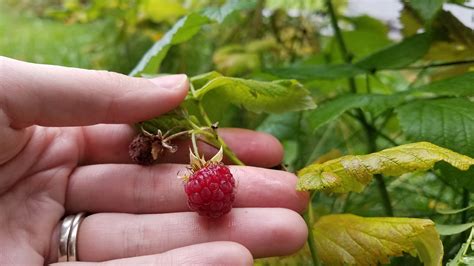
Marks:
<point>362,41</point>
<point>173,122</point>
<point>331,110</point>
<point>317,72</point>
<point>282,126</point>
<point>445,122</point>
<point>291,148</point>
<point>443,211</point>
<point>411,24</point>
<point>456,178</point>
<point>427,8</point>
<point>398,55</point>
<point>462,85</point>
<point>378,103</point>
<point>452,229</point>
<point>220,13</point>
<point>260,96</point>
<point>346,239</point>
<point>182,31</point>
<point>369,23</point>
<point>354,172</point>
<point>201,80</point>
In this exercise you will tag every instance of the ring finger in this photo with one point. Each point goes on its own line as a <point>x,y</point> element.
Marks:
<point>211,253</point>
<point>264,231</point>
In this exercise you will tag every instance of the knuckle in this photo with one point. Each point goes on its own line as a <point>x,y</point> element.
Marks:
<point>120,81</point>
<point>144,189</point>
<point>133,235</point>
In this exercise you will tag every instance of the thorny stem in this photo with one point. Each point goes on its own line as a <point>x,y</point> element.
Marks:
<point>465,203</point>
<point>387,204</point>
<point>382,188</point>
<point>340,41</point>
<point>371,133</point>
<point>309,219</point>
<point>352,85</point>
<point>452,63</point>
<point>346,202</point>
<point>387,138</point>
<point>372,147</point>
<point>337,32</point>
<point>214,138</point>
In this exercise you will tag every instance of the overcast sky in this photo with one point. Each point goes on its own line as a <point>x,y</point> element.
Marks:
<point>389,10</point>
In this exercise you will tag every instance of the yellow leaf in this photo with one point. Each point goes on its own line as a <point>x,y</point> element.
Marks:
<point>162,10</point>
<point>354,172</point>
<point>302,257</point>
<point>349,239</point>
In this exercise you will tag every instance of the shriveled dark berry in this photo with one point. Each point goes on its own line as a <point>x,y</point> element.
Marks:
<point>140,149</point>
<point>211,190</point>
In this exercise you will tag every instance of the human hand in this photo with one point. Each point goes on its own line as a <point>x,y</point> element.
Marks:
<point>56,158</point>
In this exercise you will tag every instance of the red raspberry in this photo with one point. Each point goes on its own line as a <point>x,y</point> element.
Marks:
<point>210,190</point>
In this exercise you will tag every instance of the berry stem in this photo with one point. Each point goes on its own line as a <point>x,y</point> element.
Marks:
<point>195,148</point>
<point>309,219</point>
<point>145,132</point>
<point>187,132</point>
<point>228,152</point>
<point>214,139</point>
<point>204,114</point>
<point>193,91</point>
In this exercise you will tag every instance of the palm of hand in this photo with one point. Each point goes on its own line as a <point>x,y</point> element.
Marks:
<point>32,192</point>
<point>52,169</point>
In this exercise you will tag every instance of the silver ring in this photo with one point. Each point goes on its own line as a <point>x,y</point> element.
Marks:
<point>67,250</point>
<point>63,237</point>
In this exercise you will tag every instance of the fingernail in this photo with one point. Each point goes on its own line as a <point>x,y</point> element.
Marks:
<point>170,82</point>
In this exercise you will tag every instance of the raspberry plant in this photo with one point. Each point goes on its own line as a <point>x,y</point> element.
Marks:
<point>402,104</point>
<point>385,155</point>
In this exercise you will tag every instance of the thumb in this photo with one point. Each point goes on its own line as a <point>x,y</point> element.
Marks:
<point>34,94</point>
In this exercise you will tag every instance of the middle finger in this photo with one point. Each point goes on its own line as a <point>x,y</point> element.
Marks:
<point>156,189</point>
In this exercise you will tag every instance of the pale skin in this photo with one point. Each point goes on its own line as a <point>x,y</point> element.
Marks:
<point>64,136</point>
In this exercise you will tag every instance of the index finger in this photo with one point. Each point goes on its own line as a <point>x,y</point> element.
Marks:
<point>35,94</point>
